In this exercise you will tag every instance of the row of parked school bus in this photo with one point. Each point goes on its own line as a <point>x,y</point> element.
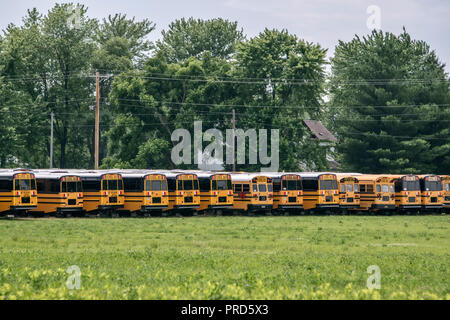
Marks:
<point>153,192</point>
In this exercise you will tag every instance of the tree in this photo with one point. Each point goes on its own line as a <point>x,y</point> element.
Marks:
<point>193,88</point>
<point>192,37</point>
<point>389,102</point>
<point>285,74</point>
<point>125,37</point>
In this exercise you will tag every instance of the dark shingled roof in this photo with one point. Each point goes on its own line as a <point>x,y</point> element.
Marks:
<point>319,131</point>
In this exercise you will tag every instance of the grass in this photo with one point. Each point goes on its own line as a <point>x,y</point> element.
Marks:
<point>306,257</point>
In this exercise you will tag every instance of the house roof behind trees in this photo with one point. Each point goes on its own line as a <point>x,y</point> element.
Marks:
<point>319,131</point>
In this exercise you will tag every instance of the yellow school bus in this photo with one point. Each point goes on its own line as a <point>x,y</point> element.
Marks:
<point>216,191</point>
<point>58,192</point>
<point>349,197</point>
<point>446,192</point>
<point>184,193</point>
<point>320,191</point>
<point>287,192</point>
<point>432,193</point>
<point>377,192</point>
<point>252,192</point>
<point>407,192</point>
<point>17,191</point>
<point>102,191</point>
<point>145,192</point>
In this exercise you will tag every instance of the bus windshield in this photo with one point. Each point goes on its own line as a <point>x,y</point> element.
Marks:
<point>221,185</point>
<point>71,186</point>
<point>112,185</point>
<point>24,184</point>
<point>433,186</point>
<point>411,186</point>
<point>156,185</point>
<point>187,184</point>
<point>292,185</point>
<point>328,185</point>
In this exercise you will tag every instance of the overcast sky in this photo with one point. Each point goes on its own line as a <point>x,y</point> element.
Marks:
<point>322,21</point>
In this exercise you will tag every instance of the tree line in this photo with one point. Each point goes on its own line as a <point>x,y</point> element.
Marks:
<point>386,97</point>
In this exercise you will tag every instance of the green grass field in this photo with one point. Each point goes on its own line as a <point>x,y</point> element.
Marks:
<point>305,257</point>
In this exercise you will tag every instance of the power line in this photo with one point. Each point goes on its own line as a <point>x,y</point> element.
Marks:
<point>271,106</point>
<point>236,80</point>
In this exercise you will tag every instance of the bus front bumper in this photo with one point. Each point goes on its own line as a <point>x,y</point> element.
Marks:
<point>255,207</point>
<point>409,206</point>
<point>153,208</point>
<point>69,209</point>
<point>290,206</point>
<point>380,206</point>
<point>327,206</point>
<point>432,206</point>
<point>349,206</point>
<point>220,206</point>
<point>187,206</point>
<point>109,207</point>
<point>22,208</point>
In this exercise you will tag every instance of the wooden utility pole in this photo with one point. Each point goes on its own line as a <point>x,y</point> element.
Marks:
<point>51,139</point>
<point>234,138</point>
<point>97,117</point>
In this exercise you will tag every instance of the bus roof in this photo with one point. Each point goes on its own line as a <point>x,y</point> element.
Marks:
<point>246,176</point>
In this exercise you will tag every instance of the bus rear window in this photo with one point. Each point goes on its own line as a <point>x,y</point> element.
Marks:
<point>262,188</point>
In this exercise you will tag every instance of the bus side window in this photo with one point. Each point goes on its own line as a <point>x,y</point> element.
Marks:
<point>238,188</point>
<point>6,185</point>
<point>362,188</point>
<point>91,186</point>
<point>310,185</point>
<point>246,188</point>
<point>40,185</point>
<point>54,186</point>
<point>370,188</point>
<point>171,184</point>
<point>276,185</point>
<point>205,184</point>
<point>398,185</point>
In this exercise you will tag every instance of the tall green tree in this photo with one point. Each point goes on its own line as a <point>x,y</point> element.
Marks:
<point>191,37</point>
<point>390,105</point>
<point>285,74</point>
<point>206,86</point>
<point>123,45</point>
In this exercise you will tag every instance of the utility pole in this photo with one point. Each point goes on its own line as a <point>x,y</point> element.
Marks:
<point>51,139</point>
<point>234,138</point>
<point>97,116</point>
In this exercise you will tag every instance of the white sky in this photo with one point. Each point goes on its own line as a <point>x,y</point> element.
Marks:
<point>322,21</point>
